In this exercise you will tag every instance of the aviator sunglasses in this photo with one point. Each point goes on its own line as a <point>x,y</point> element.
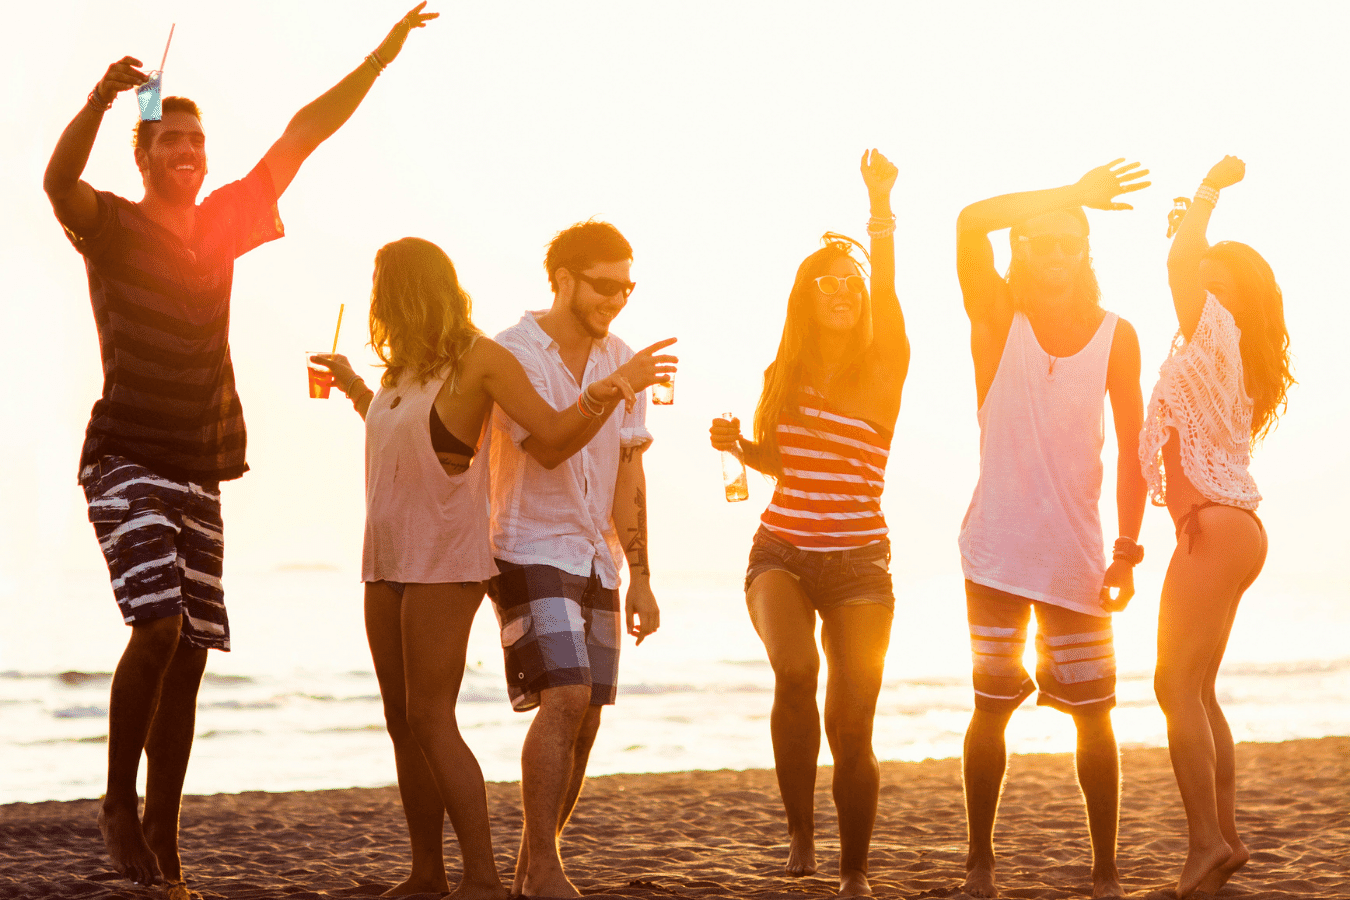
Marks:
<point>606,287</point>
<point>830,284</point>
<point>1069,244</point>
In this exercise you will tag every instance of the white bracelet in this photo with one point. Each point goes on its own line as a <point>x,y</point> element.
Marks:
<point>1207,194</point>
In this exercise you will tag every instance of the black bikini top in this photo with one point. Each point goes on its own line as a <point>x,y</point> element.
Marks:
<point>442,441</point>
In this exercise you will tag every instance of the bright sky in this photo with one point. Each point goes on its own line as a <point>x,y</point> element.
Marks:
<point>723,139</point>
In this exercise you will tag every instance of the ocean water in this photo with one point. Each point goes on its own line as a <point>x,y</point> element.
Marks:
<point>295,706</point>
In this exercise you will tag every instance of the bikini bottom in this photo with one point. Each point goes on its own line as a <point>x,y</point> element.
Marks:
<point>1190,522</point>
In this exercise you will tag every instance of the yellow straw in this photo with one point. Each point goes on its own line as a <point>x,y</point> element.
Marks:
<point>341,307</point>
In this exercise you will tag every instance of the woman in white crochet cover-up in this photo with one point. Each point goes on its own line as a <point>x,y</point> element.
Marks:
<point>1219,391</point>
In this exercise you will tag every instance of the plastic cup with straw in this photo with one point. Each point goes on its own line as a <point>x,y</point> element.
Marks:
<point>148,94</point>
<point>320,376</point>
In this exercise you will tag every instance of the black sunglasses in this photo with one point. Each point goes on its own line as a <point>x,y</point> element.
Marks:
<point>606,287</point>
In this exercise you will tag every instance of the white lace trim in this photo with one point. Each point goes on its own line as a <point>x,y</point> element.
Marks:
<point>1201,393</point>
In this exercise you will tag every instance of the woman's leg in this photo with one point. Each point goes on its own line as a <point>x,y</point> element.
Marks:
<point>1199,600</point>
<point>422,806</point>
<point>855,639</point>
<point>1225,764</point>
<point>786,623</point>
<point>436,623</point>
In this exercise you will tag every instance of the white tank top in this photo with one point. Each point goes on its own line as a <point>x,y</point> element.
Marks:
<point>1033,528</point>
<point>422,525</point>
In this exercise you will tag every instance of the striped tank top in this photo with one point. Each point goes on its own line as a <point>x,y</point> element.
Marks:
<point>834,470</point>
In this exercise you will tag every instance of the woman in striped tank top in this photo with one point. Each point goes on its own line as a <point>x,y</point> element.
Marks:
<point>823,431</point>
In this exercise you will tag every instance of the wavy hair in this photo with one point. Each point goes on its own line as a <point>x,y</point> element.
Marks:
<point>799,351</point>
<point>1259,315</point>
<point>419,315</point>
<point>1087,292</point>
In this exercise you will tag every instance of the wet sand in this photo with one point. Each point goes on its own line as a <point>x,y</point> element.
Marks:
<point>721,834</point>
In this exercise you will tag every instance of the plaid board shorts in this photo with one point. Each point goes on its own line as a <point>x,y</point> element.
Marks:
<point>557,629</point>
<point>164,543</point>
<point>1075,654</point>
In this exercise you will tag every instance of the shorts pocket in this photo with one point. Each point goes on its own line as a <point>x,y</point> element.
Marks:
<point>603,630</point>
<point>517,630</point>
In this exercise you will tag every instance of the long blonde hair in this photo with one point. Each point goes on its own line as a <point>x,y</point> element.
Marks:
<point>799,349</point>
<point>419,315</point>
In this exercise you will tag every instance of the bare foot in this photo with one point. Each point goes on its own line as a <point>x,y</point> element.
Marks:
<point>1216,879</point>
<point>1106,886</point>
<point>1200,863</point>
<point>980,880</point>
<point>130,855</point>
<point>492,889</point>
<point>801,855</point>
<point>178,890</point>
<point>549,882</point>
<point>163,842</point>
<point>854,884</point>
<point>419,885</point>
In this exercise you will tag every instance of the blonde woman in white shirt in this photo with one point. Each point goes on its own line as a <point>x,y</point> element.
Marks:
<point>1220,391</point>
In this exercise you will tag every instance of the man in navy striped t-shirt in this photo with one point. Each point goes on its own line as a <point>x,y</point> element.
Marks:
<point>169,427</point>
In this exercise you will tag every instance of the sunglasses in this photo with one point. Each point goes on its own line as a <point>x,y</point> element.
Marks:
<point>1069,244</point>
<point>606,287</point>
<point>830,284</point>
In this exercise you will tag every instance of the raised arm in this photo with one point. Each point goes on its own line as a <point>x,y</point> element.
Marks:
<point>888,321</point>
<point>630,522</point>
<point>555,435</point>
<point>72,199</point>
<point>1190,243</point>
<point>318,121</point>
<point>982,289</point>
<point>1127,413</point>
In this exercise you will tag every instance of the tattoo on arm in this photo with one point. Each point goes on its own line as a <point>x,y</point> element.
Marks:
<point>628,454</point>
<point>636,547</point>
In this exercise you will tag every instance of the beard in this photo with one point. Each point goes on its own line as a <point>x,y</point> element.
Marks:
<point>163,181</point>
<point>585,317</point>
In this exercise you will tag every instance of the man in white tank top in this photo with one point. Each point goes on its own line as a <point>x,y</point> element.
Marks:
<point>1045,356</point>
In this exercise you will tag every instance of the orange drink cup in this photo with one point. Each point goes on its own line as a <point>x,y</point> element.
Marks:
<point>320,378</point>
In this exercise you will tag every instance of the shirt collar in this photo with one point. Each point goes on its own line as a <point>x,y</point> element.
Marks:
<point>529,324</point>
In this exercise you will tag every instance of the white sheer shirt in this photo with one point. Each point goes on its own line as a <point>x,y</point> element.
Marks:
<point>561,517</point>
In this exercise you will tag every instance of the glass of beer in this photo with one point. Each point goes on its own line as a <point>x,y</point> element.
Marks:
<point>320,377</point>
<point>733,472</point>
<point>663,392</point>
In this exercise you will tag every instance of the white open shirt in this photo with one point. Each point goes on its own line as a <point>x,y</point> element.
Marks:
<point>561,517</point>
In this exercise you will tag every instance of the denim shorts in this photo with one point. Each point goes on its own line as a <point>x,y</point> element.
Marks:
<point>829,578</point>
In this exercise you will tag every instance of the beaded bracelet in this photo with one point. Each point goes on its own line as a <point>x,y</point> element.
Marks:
<point>376,63</point>
<point>595,406</point>
<point>878,227</point>
<point>95,99</point>
<point>1207,194</point>
<point>583,408</point>
<point>1127,551</point>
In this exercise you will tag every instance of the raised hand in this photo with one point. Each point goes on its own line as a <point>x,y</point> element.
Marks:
<point>1226,173</point>
<point>878,173</point>
<point>122,75</point>
<point>1099,187</point>
<point>648,367</point>
<point>393,42</point>
<point>725,434</point>
<point>343,373</point>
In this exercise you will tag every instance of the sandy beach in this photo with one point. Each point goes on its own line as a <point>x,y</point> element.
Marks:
<point>721,834</point>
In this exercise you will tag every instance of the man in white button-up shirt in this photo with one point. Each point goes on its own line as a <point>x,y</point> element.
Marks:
<point>562,520</point>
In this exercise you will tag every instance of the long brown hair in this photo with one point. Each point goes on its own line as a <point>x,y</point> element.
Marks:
<point>419,315</point>
<point>799,350</point>
<point>1259,315</point>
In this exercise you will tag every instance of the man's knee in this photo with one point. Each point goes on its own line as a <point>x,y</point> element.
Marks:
<point>796,676</point>
<point>156,638</point>
<point>569,702</point>
<point>1096,724</point>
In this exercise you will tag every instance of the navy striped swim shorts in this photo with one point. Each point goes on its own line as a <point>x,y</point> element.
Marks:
<point>164,544</point>
<point>557,629</point>
<point>1075,654</point>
